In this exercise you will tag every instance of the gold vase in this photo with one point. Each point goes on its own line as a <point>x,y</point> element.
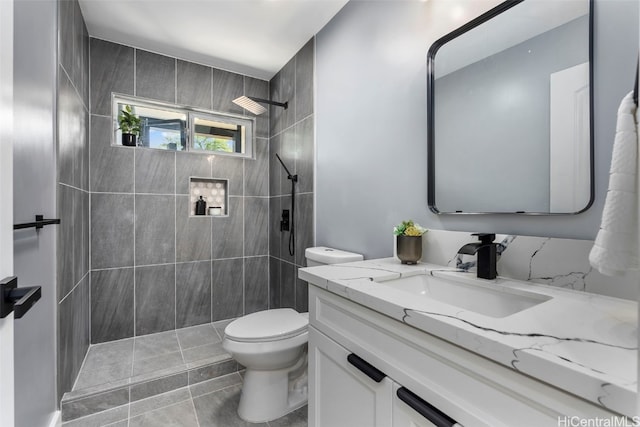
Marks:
<point>409,249</point>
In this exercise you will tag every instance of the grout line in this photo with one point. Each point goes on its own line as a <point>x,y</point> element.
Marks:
<point>244,285</point>
<point>180,347</point>
<point>175,79</point>
<point>211,294</point>
<point>129,406</point>
<point>211,221</point>
<point>293,125</point>
<point>134,193</point>
<point>74,287</point>
<point>220,389</point>
<point>89,140</point>
<point>82,365</point>
<point>135,70</point>
<point>175,233</point>
<point>72,187</point>
<point>133,354</point>
<point>66,73</point>
<point>193,405</point>
<point>135,153</point>
<point>111,268</point>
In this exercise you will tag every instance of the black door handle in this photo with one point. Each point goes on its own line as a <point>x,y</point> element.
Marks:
<point>430,412</point>
<point>24,298</point>
<point>366,368</point>
<point>15,299</point>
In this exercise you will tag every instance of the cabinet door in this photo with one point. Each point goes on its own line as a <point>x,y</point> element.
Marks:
<point>340,394</point>
<point>415,412</point>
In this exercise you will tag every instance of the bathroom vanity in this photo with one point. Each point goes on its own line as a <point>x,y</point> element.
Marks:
<point>397,345</point>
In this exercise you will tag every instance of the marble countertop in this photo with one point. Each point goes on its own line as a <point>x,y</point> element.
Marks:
<point>585,344</point>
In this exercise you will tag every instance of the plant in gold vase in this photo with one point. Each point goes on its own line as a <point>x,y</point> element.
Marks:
<point>409,241</point>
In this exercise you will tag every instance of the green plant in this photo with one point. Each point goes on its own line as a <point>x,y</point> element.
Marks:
<point>409,228</point>
<point>129,122</point>
<point>209,143</point>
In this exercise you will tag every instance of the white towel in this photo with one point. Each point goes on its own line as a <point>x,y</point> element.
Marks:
<point>615,250</point>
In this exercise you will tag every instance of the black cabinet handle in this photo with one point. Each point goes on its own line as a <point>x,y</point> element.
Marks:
<point>15,299</point>
<point>366,368</point>
<point>431,413</point>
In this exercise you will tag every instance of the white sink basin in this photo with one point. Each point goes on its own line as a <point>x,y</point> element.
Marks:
<point>480,298</point>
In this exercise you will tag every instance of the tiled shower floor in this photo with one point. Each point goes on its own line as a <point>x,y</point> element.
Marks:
<point>162,352</point>
<point>175,378</point>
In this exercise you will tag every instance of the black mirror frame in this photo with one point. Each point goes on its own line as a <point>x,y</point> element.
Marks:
<point>431,186</point>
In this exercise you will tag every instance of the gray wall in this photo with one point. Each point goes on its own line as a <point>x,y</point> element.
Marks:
<point>470,139</point>
<point>292,137</point>
<point>153,268</point>
<point>34,191</point>
<point>72,193</point>
<point>370,74</point>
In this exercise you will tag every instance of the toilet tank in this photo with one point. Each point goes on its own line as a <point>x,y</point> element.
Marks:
<point>321,255</point>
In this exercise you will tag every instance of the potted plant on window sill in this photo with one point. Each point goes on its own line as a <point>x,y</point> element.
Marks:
<point>129,125</point>
<point>409,241</point>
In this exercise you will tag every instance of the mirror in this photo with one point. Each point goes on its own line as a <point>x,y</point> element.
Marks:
<point>173,127</point>
<point>509,111</point>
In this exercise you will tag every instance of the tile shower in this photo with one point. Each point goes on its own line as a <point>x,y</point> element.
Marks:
<point>292,136</point>
<point>157,273</point>
<point>154,267</point>
<point>73,277</point>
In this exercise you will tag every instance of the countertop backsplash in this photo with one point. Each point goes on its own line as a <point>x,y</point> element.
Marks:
<point>551,261</point>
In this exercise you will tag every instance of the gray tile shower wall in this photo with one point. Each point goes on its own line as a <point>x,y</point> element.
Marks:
<point>73,277</point>
<point>153,266</point>
<point>292,137</point>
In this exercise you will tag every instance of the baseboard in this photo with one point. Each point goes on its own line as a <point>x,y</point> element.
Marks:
<point>56,419</point>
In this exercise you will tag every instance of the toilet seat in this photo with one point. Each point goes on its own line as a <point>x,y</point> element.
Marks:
<point>268,325</point>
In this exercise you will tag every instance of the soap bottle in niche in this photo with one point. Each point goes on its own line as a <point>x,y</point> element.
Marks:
<point>201,207</point>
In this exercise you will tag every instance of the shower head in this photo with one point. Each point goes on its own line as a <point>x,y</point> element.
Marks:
<point>250,103</point>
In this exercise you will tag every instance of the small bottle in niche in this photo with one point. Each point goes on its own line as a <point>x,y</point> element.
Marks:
<point>201,207</point>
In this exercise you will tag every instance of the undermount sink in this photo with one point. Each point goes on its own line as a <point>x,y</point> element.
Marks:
<point>479,298</point>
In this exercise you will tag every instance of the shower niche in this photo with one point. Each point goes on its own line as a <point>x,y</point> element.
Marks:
<point>214,192</point>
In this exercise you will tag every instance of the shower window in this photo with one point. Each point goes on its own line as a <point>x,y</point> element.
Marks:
<point>217,133</point>
<point>178,128</point>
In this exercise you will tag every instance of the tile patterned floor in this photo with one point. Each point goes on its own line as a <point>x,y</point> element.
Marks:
<point>172,350</point>
<point>211,403</point>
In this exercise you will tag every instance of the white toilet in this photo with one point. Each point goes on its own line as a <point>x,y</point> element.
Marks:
<point>272,346</point>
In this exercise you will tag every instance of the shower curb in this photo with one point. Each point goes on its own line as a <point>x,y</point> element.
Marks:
<point>93,400</point>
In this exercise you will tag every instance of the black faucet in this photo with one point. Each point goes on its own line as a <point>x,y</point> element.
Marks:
<point>487,255</point>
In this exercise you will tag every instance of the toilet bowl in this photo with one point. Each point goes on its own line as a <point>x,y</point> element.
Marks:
<point>272,346</point>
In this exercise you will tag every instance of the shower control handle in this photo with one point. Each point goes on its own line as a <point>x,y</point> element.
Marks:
<point>284,223</point>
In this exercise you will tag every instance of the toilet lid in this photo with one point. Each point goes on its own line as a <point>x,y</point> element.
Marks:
<point>267,325</point>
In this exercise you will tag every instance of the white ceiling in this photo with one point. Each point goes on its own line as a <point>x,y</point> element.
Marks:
<point>252,37</point>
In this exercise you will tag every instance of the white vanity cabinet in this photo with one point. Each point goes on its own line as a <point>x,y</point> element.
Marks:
<point>456,384</point>
<point>344,396</point>
<point>349,392</point>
